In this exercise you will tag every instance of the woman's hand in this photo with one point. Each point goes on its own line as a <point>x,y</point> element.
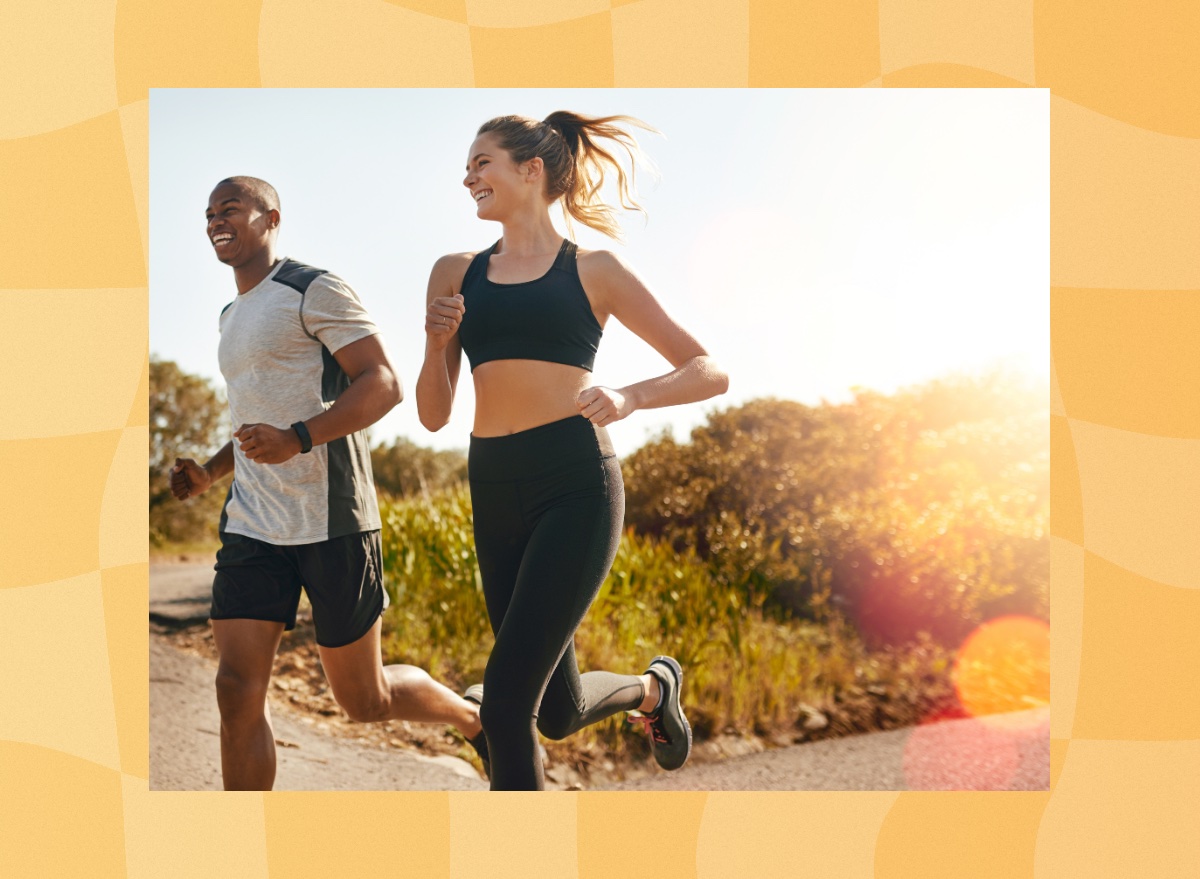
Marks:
<point>442,317</point>
<point>603,406</point>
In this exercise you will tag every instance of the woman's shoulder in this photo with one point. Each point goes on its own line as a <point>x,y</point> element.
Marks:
<point>455,261</point>
<point>601,266</point>
<point>454,265</point>
<point>446,277</point>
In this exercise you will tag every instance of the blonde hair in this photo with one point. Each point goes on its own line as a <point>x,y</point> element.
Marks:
<point>575,163</point>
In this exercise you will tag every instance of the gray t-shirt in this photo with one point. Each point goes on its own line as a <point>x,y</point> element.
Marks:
<point>276,354</point>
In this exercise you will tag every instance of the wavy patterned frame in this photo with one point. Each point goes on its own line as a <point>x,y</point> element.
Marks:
<point>1125,152</point>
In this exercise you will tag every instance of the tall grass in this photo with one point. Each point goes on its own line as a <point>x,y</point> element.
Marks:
<point>745,673</point>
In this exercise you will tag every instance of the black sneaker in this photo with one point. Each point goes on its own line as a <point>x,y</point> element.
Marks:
<point>670,734</point>
<point>474,693</point>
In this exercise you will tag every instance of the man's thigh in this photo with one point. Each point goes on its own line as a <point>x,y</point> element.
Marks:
<point>255,581</point>
<point>344,581</point>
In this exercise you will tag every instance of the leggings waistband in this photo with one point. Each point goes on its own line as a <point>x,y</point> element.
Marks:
<point>538,450</point>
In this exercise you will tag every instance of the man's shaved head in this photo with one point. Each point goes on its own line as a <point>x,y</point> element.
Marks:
<point>261,192</point>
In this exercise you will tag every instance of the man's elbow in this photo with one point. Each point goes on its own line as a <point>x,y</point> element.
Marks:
<point>393,390</point>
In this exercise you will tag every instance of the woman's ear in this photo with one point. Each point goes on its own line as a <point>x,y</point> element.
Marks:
<point>533,169</point>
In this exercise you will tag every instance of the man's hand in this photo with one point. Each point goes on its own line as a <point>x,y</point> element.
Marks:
<point>189,479</point>
<point>265,444</point>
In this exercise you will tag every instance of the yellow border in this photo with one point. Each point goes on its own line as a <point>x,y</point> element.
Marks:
<point>1125,118</point>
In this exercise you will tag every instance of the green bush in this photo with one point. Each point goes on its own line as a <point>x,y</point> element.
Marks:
<point>745,672</point>
<point>924,511</point>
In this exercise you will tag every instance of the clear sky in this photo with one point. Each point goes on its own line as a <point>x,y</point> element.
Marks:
<point>813,240</point>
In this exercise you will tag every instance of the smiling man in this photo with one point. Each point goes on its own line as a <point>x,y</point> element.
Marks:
<point>306,373</point>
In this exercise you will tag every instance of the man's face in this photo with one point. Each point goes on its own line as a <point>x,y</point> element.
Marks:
<point>238,228</point>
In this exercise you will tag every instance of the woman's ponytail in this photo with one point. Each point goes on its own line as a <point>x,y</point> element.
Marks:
<point>576,162</point>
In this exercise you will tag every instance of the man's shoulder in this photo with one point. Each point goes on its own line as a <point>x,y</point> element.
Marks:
<point>297,275</point>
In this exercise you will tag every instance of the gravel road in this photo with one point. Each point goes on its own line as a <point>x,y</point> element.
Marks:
<point>1004,752</point>
<point>185,751</point>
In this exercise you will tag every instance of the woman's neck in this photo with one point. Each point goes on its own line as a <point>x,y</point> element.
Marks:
<point>529,235</point>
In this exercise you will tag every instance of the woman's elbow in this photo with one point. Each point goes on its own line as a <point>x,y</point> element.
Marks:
<point>430,420</point>
<point>717,378</point>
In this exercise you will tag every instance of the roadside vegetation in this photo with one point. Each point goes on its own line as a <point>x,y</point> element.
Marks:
<point>816,569</point>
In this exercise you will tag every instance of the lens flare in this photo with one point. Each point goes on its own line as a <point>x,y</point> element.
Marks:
<point>1003,667</point>
<point>964,754</point>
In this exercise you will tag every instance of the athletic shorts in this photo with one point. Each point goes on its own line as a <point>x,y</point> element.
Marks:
<point>343,578</point>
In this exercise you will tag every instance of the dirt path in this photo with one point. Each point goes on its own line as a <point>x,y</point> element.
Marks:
<point>185,747</point>
<point>318,750</point>
<point>1003,752</point>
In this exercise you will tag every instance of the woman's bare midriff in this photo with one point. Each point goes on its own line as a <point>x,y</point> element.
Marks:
<point>515,395</point>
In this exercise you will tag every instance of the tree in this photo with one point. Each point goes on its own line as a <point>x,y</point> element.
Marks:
<point>926,510</point>
<point>404,468</point>
<point>188,419</point>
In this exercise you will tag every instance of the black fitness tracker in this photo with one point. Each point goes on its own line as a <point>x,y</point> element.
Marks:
<point>305,437</point>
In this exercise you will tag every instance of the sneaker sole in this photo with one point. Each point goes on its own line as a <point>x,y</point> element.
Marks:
<point>687,727</point>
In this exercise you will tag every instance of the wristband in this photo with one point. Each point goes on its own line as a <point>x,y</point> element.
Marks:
<point>305,437</point>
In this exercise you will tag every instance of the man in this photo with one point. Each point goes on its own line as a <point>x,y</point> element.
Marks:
<point>306,374</point>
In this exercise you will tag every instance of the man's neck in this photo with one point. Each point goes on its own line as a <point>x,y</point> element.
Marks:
<point>250,274</point>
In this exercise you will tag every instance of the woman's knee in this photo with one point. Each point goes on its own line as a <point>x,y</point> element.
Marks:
<point>556,720</point>
<point>504,717</point>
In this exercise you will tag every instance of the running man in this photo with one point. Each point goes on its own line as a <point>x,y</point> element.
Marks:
<point>306,373</point>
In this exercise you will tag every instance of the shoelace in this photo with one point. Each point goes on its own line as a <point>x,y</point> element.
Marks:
<point>650,725</point>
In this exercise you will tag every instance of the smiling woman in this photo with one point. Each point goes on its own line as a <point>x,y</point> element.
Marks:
<point>546,488</point>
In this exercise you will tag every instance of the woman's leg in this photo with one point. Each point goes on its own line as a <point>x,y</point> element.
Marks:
<point>577,521</point>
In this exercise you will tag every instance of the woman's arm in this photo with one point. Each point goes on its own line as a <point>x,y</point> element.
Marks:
<point>614,289</point>
<point>444,311</point>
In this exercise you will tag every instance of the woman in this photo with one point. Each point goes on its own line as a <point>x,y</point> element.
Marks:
<point>545,486</point>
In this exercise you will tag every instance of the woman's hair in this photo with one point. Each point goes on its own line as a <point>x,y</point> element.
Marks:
<point>575,163</point>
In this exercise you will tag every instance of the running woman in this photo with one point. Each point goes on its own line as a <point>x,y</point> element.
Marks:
<point>546,487</point>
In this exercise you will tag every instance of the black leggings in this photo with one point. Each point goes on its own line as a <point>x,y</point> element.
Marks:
<point>548,506</point>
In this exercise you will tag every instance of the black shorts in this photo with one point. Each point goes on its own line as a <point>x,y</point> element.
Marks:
<point>343,578</point>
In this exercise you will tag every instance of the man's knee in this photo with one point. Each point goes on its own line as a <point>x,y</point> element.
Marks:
<point>364,706</point>
<point>240,699</point>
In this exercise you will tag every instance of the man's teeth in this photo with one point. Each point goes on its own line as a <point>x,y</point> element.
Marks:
<point>222,239</point>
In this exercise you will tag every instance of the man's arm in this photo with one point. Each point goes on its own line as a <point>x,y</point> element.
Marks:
<point>189,479</point>
<point>374,390</point>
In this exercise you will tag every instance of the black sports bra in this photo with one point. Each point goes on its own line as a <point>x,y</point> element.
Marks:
<point>548,318</point>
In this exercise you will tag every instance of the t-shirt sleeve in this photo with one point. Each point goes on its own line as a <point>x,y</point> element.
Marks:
<point>333,314</point>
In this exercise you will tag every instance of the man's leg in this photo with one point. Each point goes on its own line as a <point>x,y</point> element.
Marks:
<point>370,691</point>
<point>247,650</point>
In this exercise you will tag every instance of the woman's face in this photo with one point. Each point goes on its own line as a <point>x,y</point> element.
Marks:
<point>498,185</point>
<point>491,175</point>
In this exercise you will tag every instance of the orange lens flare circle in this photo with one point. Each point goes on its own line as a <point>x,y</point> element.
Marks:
<point>1004,667</point>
